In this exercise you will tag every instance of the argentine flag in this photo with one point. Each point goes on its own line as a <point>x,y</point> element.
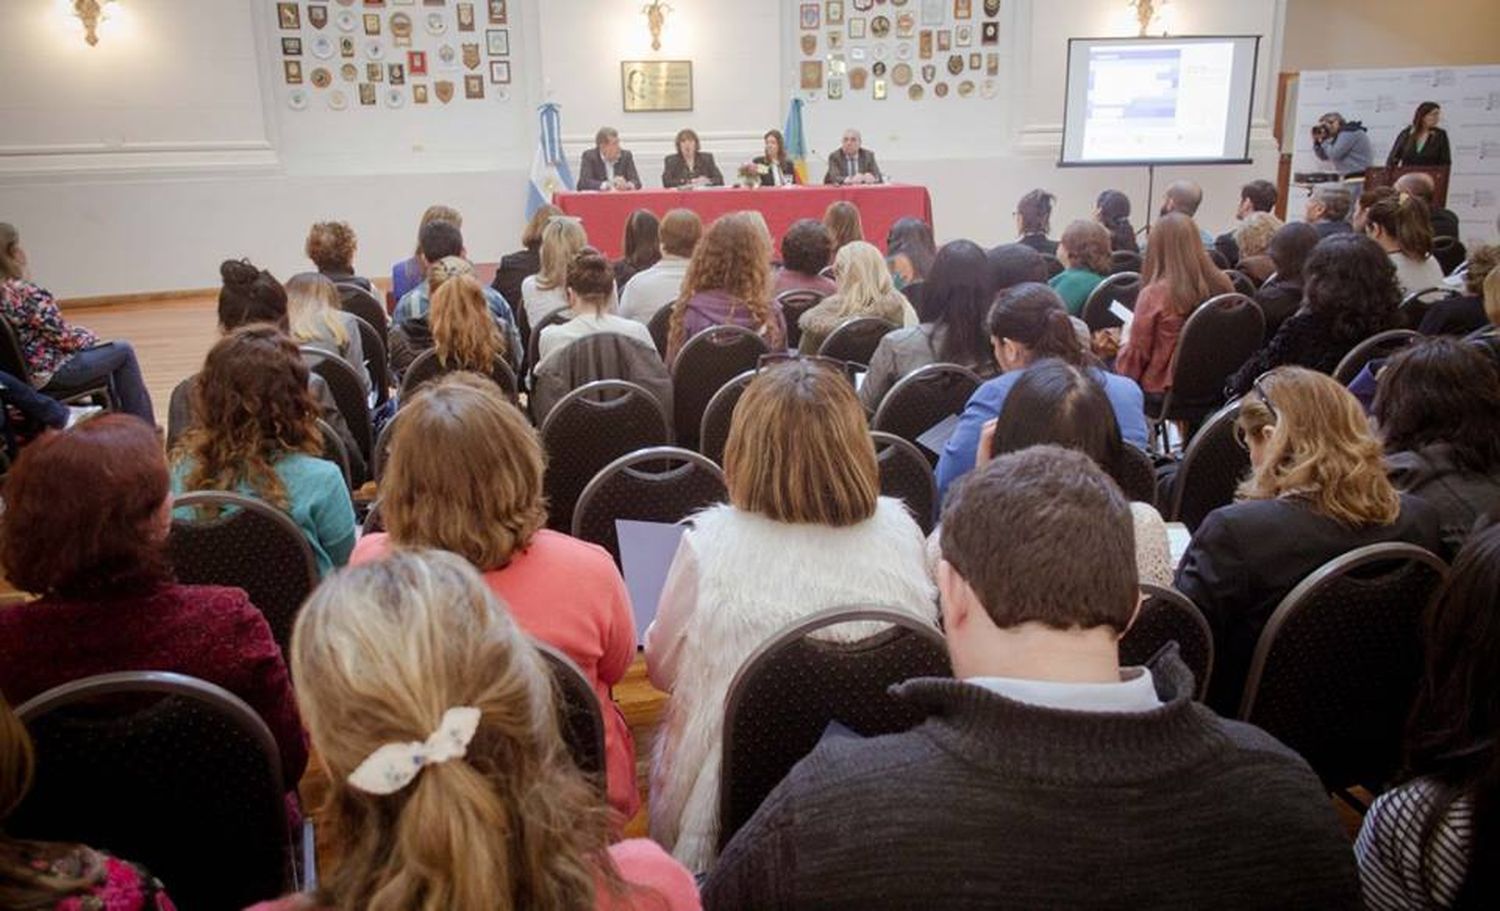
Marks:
<point>549,169</point>
<point>796,140</point>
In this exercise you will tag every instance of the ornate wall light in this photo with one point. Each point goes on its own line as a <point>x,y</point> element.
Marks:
<point>656,17</point>
<point>90,13</point>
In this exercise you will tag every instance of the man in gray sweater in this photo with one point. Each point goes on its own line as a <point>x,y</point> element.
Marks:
<point>1045,776</point>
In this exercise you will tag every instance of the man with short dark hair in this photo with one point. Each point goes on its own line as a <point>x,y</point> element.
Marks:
<point>1255,196</point>
<point>1045,775</point>
<point>1328,209</point>
<point>607,166</point>
<point>437,241</point>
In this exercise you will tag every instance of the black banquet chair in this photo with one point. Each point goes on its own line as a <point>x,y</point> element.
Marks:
<point>169,771</point>
<point>1216,340</point>
<point>793,304</point>
<point>588,429</point>
<point>1134,472</point>
<point>349,392</point>
<point>713,435</point>
<point>334,451</point>
<point>533,344</point>
<point>661,484</point>
<point>785,695</point>
<point>363,304</point>
<point>1212,466</point>
<point>1167,615</point>
<point>580,720</point>
<point>239,541</point>
<point>1124,287</point>
<point>1124,261</point>
<point>1243,284</point>
<point>924,398</point>
<point>377,361</point>
<point>659,324</point>
<point>1415,305</point>
<point>706,362</point>
<point>906,474</point>
<point>1337,666</point>
<point>428,367</point>
<point>854,340</point>
<point>1380,345</point>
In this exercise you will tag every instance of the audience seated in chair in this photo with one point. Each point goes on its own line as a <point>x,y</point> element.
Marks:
<point>459,324</point>
<point>727,283</point>
<point>1034,221</point>
<point>465,475</point>
<point>642,246</point>
<point>1430,841</point>
<point>1044,758</point>
<point>1462,315</point>
<point>656,287</point>
<point>956,298</point>
<point>87,516</point>
<point>1317,489</point>
<point>1444,222</point>
<point>1084,252</point>
<point>910,252</point>
<point>1399,223</point>
<point>331,246</point>
<point>491,813</point>
<point>1256,197</point>
<point>591,288</point>
<point>806,250</point>
<point>256,434</point>
<point>864,289</point>
<point>1328,209</point>
<point>1177,277</point>
<point>1349,294</point>
<point>804,530</point>
<point>1253,239</point>
<point>1438,413</point>
<point>315,318</point>
<point>547,290</point>
<point>61,357</point>
<point>409,273</point>
<point>844,224</point>
<point>1112,210</point>
<point>1026,324</point>
<point>515,268</point>
<point>65,876</point>
<point>1183,197</point>
<point>440,241</point>
<point>1281,295</point>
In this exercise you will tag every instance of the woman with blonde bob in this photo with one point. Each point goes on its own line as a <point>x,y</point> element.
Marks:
<point>465,475</point>
<point>865,288</point>
<point>728,282</point>
<point>547,290</point>
<point>459,325</point>
<point>451,789</point>
<point>317,318</point>
<point>805,530</point>
<point>1317,489</point>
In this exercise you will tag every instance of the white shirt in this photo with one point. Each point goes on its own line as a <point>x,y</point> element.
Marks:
<point>1136,692</point>
<point>555,338</point>
<point>539,302</point>
<point>654,288</point>
<point>1414,274</point>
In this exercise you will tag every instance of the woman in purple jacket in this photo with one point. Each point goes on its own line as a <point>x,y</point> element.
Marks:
<point>728,282</point>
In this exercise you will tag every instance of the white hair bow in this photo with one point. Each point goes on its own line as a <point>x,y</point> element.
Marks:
<point>393,766</point>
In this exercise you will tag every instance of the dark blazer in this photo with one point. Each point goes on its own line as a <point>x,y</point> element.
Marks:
<point>676,173</point>
<point>1326,228</point>
<point>1278,300</point>
<point>788,170</point>
<point>838,170</point>
<point>1305,339</point>
<point>1435,151</point>
<point>1247,556</point>
<point>514,269</point>
<point>592,175</point>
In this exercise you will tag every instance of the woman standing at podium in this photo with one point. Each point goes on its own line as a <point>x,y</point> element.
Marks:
<point>1424,143</point>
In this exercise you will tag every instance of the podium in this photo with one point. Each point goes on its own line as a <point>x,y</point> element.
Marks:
<point>1385,177</point>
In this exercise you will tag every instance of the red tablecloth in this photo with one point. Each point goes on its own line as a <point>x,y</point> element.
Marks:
<point>604,214</point>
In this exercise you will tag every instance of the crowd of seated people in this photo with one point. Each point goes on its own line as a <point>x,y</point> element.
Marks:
<point>425,628</point>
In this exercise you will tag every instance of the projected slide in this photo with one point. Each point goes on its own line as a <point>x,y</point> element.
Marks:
<point>1158,100</point>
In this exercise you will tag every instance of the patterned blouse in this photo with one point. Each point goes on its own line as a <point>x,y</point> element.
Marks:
<point>47,341</point>
<point>113,884</point>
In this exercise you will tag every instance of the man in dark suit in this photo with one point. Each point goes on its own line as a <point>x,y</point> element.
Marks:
<point>852,164</point>
<point>607,166</point>
<point>1328,209</point>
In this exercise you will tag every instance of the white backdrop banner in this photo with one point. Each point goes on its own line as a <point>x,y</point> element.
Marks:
<point>1385,100</point>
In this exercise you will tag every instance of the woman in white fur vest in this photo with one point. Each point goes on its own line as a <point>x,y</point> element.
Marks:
<point>805,530</point>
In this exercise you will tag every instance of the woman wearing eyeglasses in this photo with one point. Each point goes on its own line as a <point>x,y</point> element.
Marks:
<point>1317,489</point>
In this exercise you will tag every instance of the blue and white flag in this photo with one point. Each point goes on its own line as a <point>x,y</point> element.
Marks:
<point>549,169</point>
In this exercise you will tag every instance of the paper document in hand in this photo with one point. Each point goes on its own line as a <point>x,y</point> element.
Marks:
<point>1122,313</point>
<point>646,552</point>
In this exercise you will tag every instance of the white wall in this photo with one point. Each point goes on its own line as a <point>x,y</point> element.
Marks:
<point>139,164</point>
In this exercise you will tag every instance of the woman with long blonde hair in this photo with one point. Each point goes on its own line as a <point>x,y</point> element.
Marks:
<point>547,290</point>
<point>317,318</point>
<point>1317,489</point>
<point>451,788</point>
<point>805,529</point>
<point>728,282</point>
<point>256,433</point>
<point>865,288</point>
<point>465,475</point>
<point>1176,278</point>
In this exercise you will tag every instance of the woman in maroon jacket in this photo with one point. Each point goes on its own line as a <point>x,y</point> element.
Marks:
<point>85,527</point>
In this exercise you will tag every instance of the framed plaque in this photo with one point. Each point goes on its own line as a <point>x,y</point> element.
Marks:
<point>656,85</point>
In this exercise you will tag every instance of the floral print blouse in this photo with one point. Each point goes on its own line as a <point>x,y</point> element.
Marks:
<point>113,884</point>
<point>47,341</point>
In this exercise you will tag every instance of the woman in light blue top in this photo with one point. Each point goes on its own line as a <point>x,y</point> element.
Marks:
<point>257,434</point>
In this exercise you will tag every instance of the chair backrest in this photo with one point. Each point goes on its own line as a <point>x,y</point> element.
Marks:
<point>377,361</point>
<point>1243,284</point>
<point>1219,258</point>
<point>1167,615</point>
<point>1135,473</point>
<point>1054,265</point>
<point>598,356</point>
<point>554,317</point>
<point>428,367</point>
<point>240,541</point>
<point>923,398</point>
<point>591,427</point>
<point>906,474</point>
<point>167,770</point>
<point>710,359</point>
<point>363,304</point>
<point>334,451</point>
<point>659,326</point>
<point>579,717</point>
<point>1415,305</point>
<point>12,356</point>
<point>660,484</point>
<point>1213,464</point>
<point>855,340</point>
<point>1125,261</point>
<point>1337,665</point>
<point>793,305</point>
<point>713,435</point>
<point>1216,340</point>
<point>1449,252</point>
<point>1121,286</point>
<point>1379,345</point>
<point>785,695</point>
<point>349,393</point>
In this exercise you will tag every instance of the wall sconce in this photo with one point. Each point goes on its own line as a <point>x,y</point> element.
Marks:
<point>90,13</point>
<point>656,17</point>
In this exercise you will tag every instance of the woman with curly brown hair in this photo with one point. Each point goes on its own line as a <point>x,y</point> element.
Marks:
<point>1084,252</point>
<point>729,283</point>
<point>257,434</point>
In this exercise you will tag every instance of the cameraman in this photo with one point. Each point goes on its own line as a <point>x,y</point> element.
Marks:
<point>1344,144</point>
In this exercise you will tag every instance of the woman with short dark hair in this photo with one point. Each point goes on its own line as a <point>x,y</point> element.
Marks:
<point>1034,221</point>
<point>806,250</point>
<point>642,245</point>
<point>1281,295</point>
<point>591,292</point>
<point>690,166</point>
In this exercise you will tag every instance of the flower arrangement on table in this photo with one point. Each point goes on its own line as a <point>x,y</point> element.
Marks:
<point>751,173</point>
